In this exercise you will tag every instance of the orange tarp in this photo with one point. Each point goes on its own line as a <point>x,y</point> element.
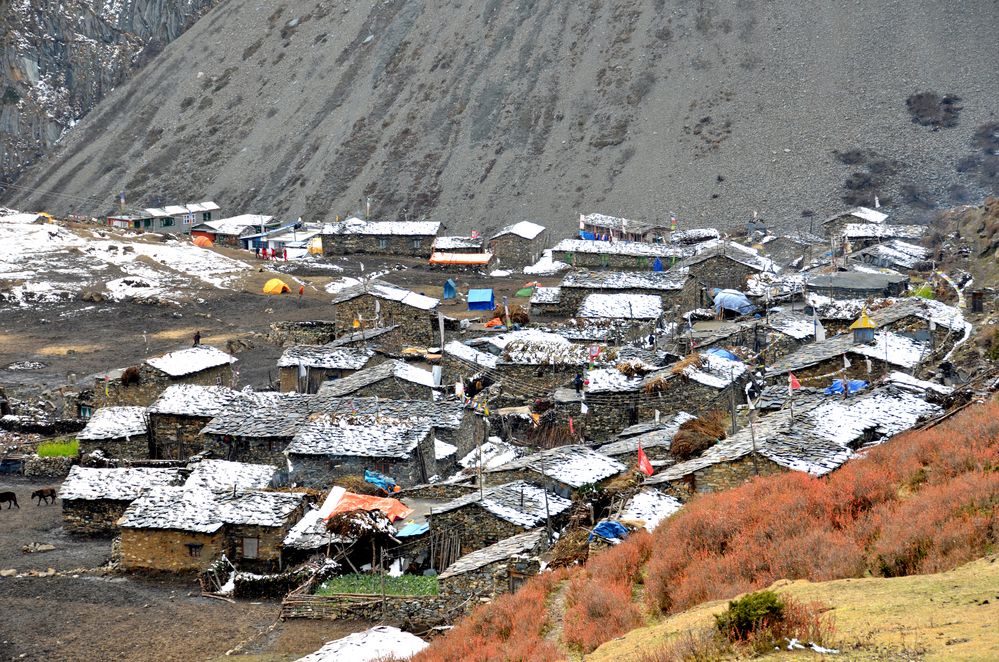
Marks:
<point>463,259</point>
<point>394,508</point>
<point>203,242</point>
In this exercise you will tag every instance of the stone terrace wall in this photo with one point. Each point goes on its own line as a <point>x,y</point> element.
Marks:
<point>490,580</point>
<point>92,517</point>
<point>47,467</point>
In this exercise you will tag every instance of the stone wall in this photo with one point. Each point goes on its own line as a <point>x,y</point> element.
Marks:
<point>511,250</point>
<point>683,394</point>
<point>176,437</point>
<point>489,581</point>
<point>47,467</point>
<point>722,476</point>
<point>168,550</point>
<point>722,272</point>
<point>525,382</point>
<point>477,528</point>
<point>393,388</point>
<point>254,450</point>
<point>424,610</point>
<point>290,383</point>
<point>269,547</point>
<point>607,415</point>
<point>416,326</point>
<point>133,448</point>
<point>90,517</point>
<point>152,383</point>
<point>347,244</point>
<point>615,262</point>
<point>310,332</point>
<point>319,470</point>
<point>467,436</point>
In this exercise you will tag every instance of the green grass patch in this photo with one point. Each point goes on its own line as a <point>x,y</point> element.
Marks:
<point>59,448</point>
<point>372,585</point>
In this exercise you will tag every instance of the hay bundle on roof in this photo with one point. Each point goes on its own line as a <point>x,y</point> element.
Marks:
<point>697,435</point>
<point>359,523</point>
<point>572,548</point>
<point>635,368</point>
<point>691,360</point>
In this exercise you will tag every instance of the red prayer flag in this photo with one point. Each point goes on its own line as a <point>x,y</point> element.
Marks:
<point>572,431</point>
<point>792,383</point>
<point>643,462</point>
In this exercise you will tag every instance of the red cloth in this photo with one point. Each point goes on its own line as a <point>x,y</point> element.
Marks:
<point>643,462</point>
<point>792,383</point>
<point>393,508</point>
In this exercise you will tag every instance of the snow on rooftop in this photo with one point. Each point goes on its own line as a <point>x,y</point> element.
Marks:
<point>383,228</point>
<point>468,354</point>
<point>545,265</point>
<point>379,643</point>
<point>368,436</point>
<point>495,453</point>
<point>693,235</point>
<point>222,475</point>
<point>883,230</point>
<point>885,412</point>
<point>674,279</point>
<point>893,348</point>
<point>524,229</point>
<point>869,215</point>
<point>191,360</point>
<point>115,423</point>
<point>603,380</point>
<point>715,371</point>
<point>236,225</point>
<point>517,502</point>
<point>457,243</point>
<point>621,306</point>
<point>407,297</point>
<point>634,248</point>
<point>574,466</point>
<point>795,325</point>
<point>193,400</point>
<point>442,449</point>
<point>203,511</point>
<point>114,484</point>
<point>546,295</point>
<point>650,506</point>
<point>344,358</point>
<point>920,385</point>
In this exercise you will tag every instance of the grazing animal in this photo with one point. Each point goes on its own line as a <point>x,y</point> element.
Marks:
<point>9,498</point>
<point>44,494</point>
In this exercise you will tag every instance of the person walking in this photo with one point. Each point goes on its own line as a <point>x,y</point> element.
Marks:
<point>197,339</point>
<point>578,383</point>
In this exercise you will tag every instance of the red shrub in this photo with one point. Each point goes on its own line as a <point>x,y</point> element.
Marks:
<point>597,611</point>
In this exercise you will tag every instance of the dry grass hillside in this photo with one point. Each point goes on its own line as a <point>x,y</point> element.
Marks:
<point>482,112</point>
<point>925,502</point>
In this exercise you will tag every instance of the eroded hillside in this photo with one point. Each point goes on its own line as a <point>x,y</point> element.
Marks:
<point>479,112</point>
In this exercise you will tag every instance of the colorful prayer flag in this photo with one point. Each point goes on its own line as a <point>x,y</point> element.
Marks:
<point>643,462</point>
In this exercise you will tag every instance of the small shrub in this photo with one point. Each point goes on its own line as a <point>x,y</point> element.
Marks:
<point>700,646</point>
<point>59,448</point>
<point>750,613</point>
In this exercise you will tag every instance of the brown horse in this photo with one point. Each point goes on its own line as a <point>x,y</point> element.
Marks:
<point>9,498</point>
<point>45,494</point>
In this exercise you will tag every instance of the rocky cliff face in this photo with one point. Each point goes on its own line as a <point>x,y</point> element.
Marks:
<point>59,59</point>
<point>483,112</point>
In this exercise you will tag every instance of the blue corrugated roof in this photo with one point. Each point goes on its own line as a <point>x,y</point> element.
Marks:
<point>413,530</point>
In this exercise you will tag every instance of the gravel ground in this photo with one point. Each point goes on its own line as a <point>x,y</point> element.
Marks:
<point>84,614</point>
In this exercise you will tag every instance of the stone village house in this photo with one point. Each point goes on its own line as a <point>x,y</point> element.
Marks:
<point>142,385</point>
<point>672,287</point>
<point>229,231</point>
<point>519,244</point>
<point>303,369</point>
<point>618,256</point>
<point>180,413</point>
<point>391,379</point>
<point>725,265</point>
<point>497,513</point>
<point>564,469</point>
<point>329,447</point>
<point>354,235</point>
<point>185,529</point>
<point>502,567</point>
<point>94,499</point>
<point>119,432</point>
<point>375,304</point>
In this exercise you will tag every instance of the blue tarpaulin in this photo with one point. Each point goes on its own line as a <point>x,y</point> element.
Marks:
<point>732,300</point>
<point>852,385</point>
<point>379,480</point>
<point>609,530</point>
<point>450,289</point>
<point>412,529</point>
<point>586,235</point>
<point>657,265</point>
<point>481,299</point>
<point>724,353</point>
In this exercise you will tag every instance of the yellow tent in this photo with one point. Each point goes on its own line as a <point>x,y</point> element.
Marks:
<point>203,242</point>
<point>276,286</point>
<point>316,246</point>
